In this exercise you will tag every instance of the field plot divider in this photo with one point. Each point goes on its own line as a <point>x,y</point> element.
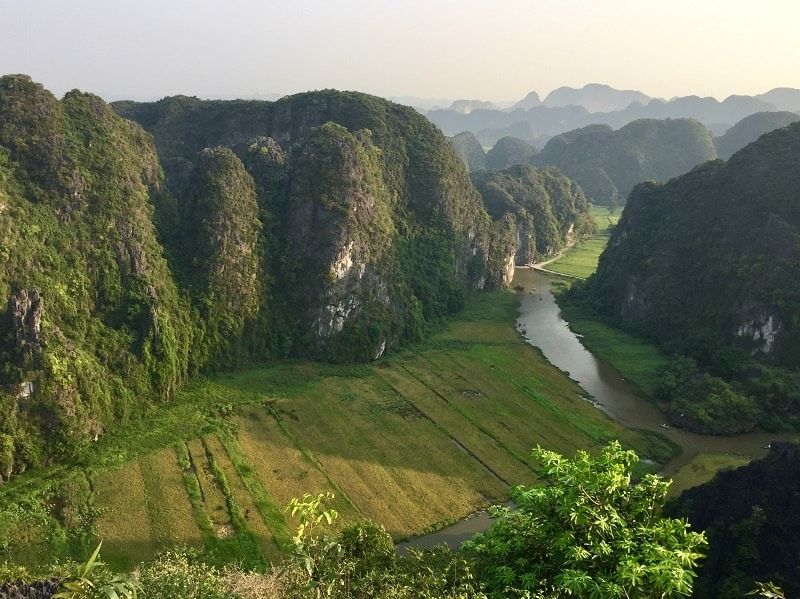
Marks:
<point>238,521</point>
<point>269,511</point>
<point>477,425</point>
<point>317,464</point>
<point>444,431</point>
<point>195,492</point>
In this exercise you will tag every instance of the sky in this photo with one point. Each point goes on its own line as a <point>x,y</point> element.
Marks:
<point>491,49</point>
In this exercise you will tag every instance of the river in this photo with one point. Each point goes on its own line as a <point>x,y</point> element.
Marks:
<point>540,319</point>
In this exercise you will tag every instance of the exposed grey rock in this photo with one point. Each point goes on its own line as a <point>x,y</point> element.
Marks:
<point>26,308</point>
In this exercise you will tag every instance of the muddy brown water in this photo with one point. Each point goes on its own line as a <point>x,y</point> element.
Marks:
<point>541,325</point>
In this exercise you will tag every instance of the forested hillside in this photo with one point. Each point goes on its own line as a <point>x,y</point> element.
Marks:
<point>93,324</point>
<point>607,164</point>
<point>750,129</point>
<point>753,527</point>
<point>470,151</point>
<point>510,151</point>
<point>537,212</point>
<point>328,225</point>
<point>707,266</point>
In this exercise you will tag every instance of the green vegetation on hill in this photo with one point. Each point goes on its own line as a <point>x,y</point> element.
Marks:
<point>542,209</point>
<point>607,164</point>
<point>93,327</point>
<point>752,523</point>
<point>508,152</point>
<point>706,266</point>
<point>469,149</point>
<point>221,252</point>
<point>416,239</point>
<point>327,225</point>
<point>750,129</point>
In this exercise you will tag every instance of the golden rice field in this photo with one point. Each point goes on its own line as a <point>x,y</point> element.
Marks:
<point>412,442</point>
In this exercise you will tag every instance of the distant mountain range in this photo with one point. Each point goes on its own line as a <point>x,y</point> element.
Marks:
<point>595,97</point>
<point>608,163</point>
<point>566,109</point>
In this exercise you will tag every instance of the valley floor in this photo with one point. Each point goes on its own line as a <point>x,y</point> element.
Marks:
<point>412,442</point>
<point>580,260</point>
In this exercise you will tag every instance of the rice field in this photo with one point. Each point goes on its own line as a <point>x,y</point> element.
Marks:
<point>413,442</point>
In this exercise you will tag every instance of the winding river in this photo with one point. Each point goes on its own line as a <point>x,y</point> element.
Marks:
<point>540,319</point>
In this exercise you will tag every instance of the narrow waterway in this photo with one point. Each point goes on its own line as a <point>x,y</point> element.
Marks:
<point>540,319</point>
<point>541,325</point>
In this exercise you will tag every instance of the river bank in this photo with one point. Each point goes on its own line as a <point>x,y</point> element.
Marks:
<point>541,319</point>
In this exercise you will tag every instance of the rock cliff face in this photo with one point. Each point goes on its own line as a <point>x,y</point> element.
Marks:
<point>339,229</point>
<point>25,308</point>
<point>327,225</point>
<point>538,211</point>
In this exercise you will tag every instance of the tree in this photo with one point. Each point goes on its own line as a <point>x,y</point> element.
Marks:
<point>588,531</point>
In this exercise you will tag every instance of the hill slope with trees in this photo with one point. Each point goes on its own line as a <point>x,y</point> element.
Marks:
<point>508,152</point>
<point>607,164</point>
<point>537,212</point>
<point>750,129</point>
<point>706,265</point>
<point>470,151</point>
<point>753,527</point>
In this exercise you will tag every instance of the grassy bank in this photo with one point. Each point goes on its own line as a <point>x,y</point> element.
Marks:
<point>581,259</point>
<point>638,361</point>
<point>702,469</point>
<point>413,441</point>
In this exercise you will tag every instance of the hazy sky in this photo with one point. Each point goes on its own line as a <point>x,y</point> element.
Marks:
<point>495,50</point>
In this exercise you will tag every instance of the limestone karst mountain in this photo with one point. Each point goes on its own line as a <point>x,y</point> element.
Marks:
<point>608,164</point>
<point>750,129</point>
<point>328,225</point>
<point>470,151</point>
<point>537,211</point>
<point>706,265</point>
<point>510,151</point>
<point>595,97</point>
